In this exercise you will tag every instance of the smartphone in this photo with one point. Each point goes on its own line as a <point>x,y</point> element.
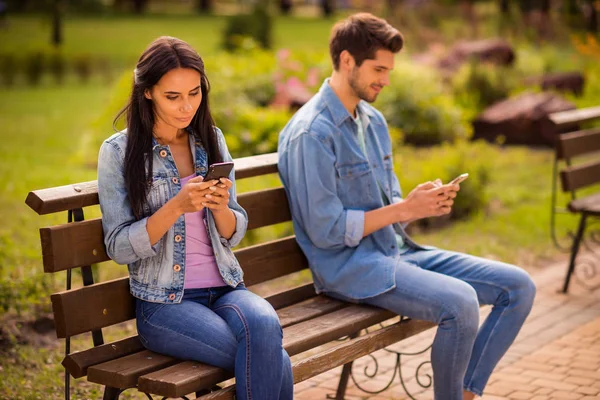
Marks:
<point>459,179</point>
<point>218,170</point>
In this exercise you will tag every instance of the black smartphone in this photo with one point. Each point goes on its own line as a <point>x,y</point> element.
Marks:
<point>218,170</point>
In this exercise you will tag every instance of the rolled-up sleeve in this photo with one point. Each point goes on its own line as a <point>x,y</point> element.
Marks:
<point>126,239</point>
<point>241,217</point>
<point>310,178</point>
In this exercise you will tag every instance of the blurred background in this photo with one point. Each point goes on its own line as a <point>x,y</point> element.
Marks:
<point>470,92</point>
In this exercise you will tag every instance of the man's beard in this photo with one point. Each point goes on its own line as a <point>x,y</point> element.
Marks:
<point>360,92</point>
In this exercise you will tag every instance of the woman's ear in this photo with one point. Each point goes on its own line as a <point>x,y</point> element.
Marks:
<point>147,94</point>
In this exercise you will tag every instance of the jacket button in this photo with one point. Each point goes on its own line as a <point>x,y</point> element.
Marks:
<point>176,267</point>
<point>163,153</point>
<point>175,180</point>
<point>178,238</point>
<point>172,296</point>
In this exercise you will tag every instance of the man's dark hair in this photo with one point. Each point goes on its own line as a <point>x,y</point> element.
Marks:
<point>362,35</point>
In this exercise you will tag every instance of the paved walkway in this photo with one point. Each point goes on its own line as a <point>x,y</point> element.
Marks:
<point>555,356</point>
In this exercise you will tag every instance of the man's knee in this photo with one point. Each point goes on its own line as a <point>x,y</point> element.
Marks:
<point>523,288</point>
<point>462,307</point>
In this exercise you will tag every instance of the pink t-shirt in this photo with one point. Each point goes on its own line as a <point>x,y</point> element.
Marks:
<point>201,269</point>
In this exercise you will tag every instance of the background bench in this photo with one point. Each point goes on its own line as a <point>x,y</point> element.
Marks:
<point>309,321</point>
<point>577,163</point>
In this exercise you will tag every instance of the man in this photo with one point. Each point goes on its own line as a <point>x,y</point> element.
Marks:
<point>336,164</point>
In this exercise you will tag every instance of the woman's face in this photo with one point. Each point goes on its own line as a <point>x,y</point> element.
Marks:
<point>176,97</point>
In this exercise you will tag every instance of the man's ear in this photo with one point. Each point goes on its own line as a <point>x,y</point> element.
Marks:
<point>147,94</point>
<point>347,62</point>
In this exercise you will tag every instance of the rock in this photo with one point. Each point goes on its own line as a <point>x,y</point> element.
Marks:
<point>564,81</point>
<point>496,51</point>
<point>522,119</point>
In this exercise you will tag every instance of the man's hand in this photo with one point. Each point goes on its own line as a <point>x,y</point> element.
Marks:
<point>431,199</point>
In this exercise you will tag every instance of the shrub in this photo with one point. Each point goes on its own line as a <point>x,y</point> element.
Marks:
<point>257,26</point>
<point>8,69</point>
<point>83,67</point>
<point>417,103</point>
<point>414,166</point>
<point>58,67</point>
<point>34,67</point>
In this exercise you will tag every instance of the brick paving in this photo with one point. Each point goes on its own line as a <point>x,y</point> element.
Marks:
<point>555,356</point>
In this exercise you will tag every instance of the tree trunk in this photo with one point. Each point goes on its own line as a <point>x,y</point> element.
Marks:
<point>504,7</point>
<point>593,17</point>
<point>57,35</point>
<point>204,6</point>
<point>327,7</point>
<point>285,6</point>
<point>139,6</point>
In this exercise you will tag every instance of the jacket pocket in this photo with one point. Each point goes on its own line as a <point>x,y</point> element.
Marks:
<point>158,194</point>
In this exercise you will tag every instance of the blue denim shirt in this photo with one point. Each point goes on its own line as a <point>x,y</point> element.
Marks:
<point>157,272</point>
<point>331,183</point>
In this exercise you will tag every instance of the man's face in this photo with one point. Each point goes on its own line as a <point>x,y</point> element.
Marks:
<point>371,77</point>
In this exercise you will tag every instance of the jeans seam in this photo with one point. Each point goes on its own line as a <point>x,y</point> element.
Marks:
<point>488,341</point>
<point>238,311</point>
<point>163,328</point>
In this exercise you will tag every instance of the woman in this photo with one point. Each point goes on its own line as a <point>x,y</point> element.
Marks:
<point>175,231</point>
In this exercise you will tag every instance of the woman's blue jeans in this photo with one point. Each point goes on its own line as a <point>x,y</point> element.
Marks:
<point>447,288</point>
<point>230,328</point>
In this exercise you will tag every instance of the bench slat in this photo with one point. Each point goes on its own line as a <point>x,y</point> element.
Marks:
<point>265,207</point>
<point>271,260</point>
<point>110,302</point>
<point>186,380</point>
<point>82,243</point>
<point>577,177</point>
<point>84,194</point>
<point>123,372</point>
<point>577,143</point>
<point>308,309</point>
<point>92,307</point>
<point>78,363</point>
<point>572,117</point>
<point>72,245</point>
<point>589,204</point>
<point>324,361</point>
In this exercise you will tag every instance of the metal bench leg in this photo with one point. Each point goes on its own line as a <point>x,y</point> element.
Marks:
<point>111,393</point>
<point>345,375</point>
<point>574,251</point>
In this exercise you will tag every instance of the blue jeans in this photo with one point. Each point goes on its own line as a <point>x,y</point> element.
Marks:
<point>229,328</point>
<point>447,288</point>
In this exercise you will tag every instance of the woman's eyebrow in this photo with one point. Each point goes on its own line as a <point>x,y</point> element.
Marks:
<point>171,92</point>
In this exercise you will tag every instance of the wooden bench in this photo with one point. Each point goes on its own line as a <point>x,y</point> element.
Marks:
<point>309,321</point>
<point>577,163</point>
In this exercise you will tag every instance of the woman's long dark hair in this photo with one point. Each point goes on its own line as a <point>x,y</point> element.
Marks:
<point>163,55</point>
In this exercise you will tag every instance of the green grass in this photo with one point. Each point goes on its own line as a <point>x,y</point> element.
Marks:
<point>123,38</point>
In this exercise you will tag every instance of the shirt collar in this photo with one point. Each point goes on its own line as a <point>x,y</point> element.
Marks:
<point>337,109</point>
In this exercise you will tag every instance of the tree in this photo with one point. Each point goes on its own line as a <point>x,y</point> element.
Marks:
<point>204,6</point>
<point>57,32</point>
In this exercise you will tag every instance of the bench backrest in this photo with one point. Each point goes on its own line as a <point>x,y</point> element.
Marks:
<point>577,145</point>
<point>80,244</point>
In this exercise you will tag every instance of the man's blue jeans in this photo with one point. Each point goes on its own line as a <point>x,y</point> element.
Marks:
<point>230,328</point>
<point>447,288</point>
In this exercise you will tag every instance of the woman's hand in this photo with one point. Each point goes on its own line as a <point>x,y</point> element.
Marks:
<point>191,197</point>
<point>217,198</point>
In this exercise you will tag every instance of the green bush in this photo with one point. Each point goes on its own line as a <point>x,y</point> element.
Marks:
<point>417,103</point>
<point>83,66</point>
<point>257,26</point>
<point>479,85</point>
<point>58,67</point>
<point>34,67</point>
<point>447,162</point>
<point>8,69</point>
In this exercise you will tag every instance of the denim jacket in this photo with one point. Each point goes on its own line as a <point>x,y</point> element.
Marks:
<point>157,272</point>
<point>330,184</point>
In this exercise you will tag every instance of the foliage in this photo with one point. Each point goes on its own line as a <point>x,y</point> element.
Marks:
<point>446,162</point>
<point>417,103</point>
<point>256,25</point>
